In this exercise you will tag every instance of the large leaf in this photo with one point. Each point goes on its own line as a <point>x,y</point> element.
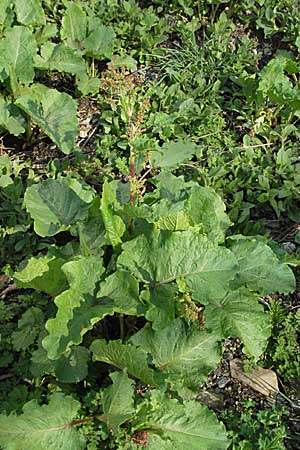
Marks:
<point>117,294</point>
<point>55,112</point>
<point>126,356</point>
<point>30,12</point>
<point>71,367</point>
<point>117,401</point>
<point>114,225</point>
<point>161,309</point>
<point>276,85</point>
<point>172,154</point>
<point>46,427</point>
<point>172,425</point>
<point>238,314</point>
<point>260,269</point>
<point>181,351</point>
<point>74,25</point>
<point>54,206</point>
<point>205,207</point>
<point>99,43</point>
<point>42,273</point>
<point>60,57</point>
<point>163,257</point>
<point>11,119</point>
<point>18,51</point>
<point>82,275</point>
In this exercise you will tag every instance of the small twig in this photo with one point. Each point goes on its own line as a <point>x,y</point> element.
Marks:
<point>11,288</point>
<point>5,376</point>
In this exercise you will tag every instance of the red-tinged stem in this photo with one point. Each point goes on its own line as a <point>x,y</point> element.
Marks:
<point>132,175</point>
<point>79,422</point>
<point>102,418</point>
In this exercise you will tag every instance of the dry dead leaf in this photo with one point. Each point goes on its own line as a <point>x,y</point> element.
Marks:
<point>261,380</point>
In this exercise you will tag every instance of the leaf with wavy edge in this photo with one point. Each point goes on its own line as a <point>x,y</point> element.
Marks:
<point>238,314</point>
<point>129,357</point>
<point>82,275</point>
<point>181,351</point>
<point>171,425</point>
<point>162,256</point>
<point>46,427</point>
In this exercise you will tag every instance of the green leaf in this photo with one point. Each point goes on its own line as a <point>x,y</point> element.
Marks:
<point>161,310</point>
<point>19,49</point>
<point>29,327</point>
<point>30,12</point>
<point>61,58</point>
<point>204,206</point>
<point>87,85</point>
<point>55,112</point>
<point>172,154</point>
<point>238,314</point>
<point>11,119</point>
<point>92,231</point>
<point>259,268</point>
<point>163,256</point>
<point>71,367</point>
<point>74,25</point>
<point>276,85</point>
<point>46,427</point>
<point>181,351</point>
<point>182,426</point>
<point>82,275</point>
<point>99,43</point>
<point>54,206</point>
<point>44,34</point>
<point>117,401</point>
<point>42,273</point>
<point>78,312</point>
<point>114,225</point>
<point>126,356</point>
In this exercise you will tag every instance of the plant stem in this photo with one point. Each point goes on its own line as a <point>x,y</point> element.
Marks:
<point>132,176</point>
<point>122,329</point>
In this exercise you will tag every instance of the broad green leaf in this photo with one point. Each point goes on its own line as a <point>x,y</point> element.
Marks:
<point>6,14</point>
<point>172,425</point>
<point>260,269</point>
<point>114,225</point>
<point>44,34</point>
<point>161,310</point>
<point>55,112</point>
<point>99,43</point>
<point>205,207</point>
<point>117,401</point>
<point>30,12</point>
<point>181,351</point>
<point>11,119</point>
<point>117,294</point>
<point>19,49</point>
<point>87,85</point>
<point>172,154</point>
<point>92,231</point>
<point>276,85</point>
<point>54,206</point>
<point>126,356</point>
<point>82,275</point>
<point>42,273</point>
<point>238,314</point>
<point>29,327</point>
<point>74,25</point>
<point>46,427</point>
<point>71,367</point>
<point>61,58</point>
<point>163,256</point>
